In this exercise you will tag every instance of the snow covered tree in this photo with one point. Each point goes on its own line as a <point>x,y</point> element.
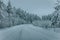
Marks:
<point>9,7</point>
<point>55,17</point>
<point>9,10</point>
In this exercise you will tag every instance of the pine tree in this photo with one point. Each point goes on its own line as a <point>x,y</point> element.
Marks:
<point>55,17</point>
<point>9,10</point>
<point>9,7</point>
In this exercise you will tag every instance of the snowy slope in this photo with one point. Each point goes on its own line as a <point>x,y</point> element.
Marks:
<point>28,32</point>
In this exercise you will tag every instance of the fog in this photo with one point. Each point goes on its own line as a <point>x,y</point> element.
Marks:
<point>39,7</point>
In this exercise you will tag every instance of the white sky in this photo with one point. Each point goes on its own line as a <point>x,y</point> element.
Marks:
<point>39,7</point>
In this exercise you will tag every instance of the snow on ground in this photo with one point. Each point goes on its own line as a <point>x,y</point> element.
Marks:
<point>28,32</point>
<point>57,30</point>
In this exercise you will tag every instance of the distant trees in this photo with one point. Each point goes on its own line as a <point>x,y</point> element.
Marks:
<point>43,23</point>
<point>26,16</point>
<point>46,17</point>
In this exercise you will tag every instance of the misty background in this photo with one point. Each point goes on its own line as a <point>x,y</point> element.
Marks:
<point>39,7</point>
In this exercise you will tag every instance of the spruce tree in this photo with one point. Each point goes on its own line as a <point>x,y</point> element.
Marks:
<point>9,7</point>
<point>9,10</point>
<point>55,17</point>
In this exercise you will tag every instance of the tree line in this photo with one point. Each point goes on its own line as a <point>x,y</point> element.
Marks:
<point>11,16</point>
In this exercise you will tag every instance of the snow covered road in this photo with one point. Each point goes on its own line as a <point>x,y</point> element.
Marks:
<point>28,32</point>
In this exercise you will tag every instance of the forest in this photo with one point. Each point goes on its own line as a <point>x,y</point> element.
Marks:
<point>11,16</point>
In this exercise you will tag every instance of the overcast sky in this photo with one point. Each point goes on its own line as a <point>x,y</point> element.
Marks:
<point>39,7</point>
